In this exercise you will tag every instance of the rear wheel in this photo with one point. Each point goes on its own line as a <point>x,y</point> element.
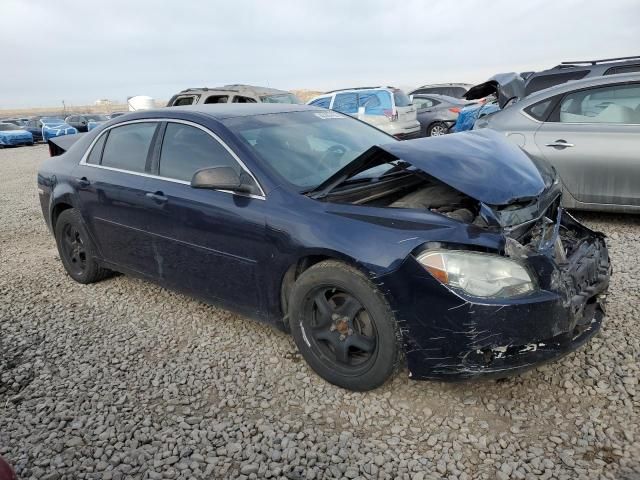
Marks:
<point>344,327</point>
<point>76,250</point>
<point>436,129</point>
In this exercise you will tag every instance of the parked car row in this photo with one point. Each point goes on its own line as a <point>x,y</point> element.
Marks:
<point>17,131</point>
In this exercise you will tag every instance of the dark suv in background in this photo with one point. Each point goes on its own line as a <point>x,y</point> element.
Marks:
<point>567,71</point>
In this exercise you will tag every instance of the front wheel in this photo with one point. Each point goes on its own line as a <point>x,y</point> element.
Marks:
<point>344,327</point>
<point>437,129</point>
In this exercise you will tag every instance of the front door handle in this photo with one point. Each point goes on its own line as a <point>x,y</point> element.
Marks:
<point>157,196</point>
<point>83,182</point>
<point>560,144</point>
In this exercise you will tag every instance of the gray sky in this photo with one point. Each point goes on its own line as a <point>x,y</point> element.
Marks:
<point>79,51</point>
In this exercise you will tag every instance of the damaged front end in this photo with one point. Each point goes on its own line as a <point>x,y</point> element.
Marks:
<point>542,292</point>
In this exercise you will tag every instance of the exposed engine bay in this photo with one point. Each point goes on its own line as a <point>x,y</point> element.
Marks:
<point>530,226</point>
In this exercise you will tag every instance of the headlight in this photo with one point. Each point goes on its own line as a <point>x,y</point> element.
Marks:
<point>478,274</point>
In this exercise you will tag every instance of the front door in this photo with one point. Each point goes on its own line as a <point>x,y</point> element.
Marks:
<point>209,243</point>
<point>593,140</point>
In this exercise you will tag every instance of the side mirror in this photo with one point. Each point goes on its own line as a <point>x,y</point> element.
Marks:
<point>223,178</point>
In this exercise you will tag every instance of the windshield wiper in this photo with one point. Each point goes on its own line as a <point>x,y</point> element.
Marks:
<point>372,157</point>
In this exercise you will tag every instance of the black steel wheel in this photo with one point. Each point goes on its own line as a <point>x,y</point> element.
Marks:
<point>343,326</point>
<point>76,250</point>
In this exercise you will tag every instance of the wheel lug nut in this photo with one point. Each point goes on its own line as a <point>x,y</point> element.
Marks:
<point>335,317</point>
<point>342,337</point>
<point>350,331</point>
<point>332,328</point>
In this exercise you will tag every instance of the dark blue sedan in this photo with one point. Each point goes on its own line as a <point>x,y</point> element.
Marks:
<point>453,250</point>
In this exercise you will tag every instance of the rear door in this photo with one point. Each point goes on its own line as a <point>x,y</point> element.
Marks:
<point>346,103</point>
<point>593,139</point>
<point>112,182</point>
<point>207,242</point>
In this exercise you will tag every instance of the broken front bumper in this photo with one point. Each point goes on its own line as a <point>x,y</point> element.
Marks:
<point>448,335</point>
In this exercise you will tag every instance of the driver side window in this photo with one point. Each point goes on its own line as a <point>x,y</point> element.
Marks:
<point>186,149</point>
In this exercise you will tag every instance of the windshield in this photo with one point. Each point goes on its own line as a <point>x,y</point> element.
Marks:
<point>8,126</point>
<point>306,148</point>
<point>96,118</point>
<point>281,98</point>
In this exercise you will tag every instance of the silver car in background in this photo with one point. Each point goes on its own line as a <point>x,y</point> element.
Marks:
<point>589,130</point>
<point>437,113</point>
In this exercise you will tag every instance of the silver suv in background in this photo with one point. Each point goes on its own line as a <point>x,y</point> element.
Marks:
<point>589,130</point>
<point>387,108</point>
<point>232,94</point>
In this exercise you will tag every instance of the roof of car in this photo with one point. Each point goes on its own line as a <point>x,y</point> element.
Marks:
<point>446,85</point>
<point>237,88</point>
<point>584,83</point>
<point>439,96</point>
<point>222,111</point>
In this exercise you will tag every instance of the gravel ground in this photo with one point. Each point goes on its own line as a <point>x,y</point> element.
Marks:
<point>123,379</point>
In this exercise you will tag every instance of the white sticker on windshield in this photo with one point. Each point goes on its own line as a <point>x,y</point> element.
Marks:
<point>328,114</point>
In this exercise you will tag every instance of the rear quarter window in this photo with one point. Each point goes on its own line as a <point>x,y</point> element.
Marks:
<point>375,102</point>
<point>96,151</point>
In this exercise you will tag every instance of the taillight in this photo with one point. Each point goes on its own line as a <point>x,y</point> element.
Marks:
<point>455,109</point>
<point>391,115</point>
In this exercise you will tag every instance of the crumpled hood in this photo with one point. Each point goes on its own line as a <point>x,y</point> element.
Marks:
<point>481,164</point>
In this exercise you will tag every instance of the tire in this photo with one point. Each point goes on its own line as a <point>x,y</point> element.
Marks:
<point>436,129</point>
<point>344,327</point>
<point>77,252</point>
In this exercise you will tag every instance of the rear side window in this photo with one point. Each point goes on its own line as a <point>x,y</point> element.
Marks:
<point>241,99</point>
<point>421,103</point>
<point>546,81</point>
<point>623,69</point>
<point>180,101</point>
<point>323,102</point>
<point>401,99</point>
<point>217,99</point>
<point>127,147</point>
<point>186,149</point>
<point>346,103</point>
<point>96,151</point>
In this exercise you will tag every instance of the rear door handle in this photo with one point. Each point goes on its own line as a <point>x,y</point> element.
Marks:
<point>83,182</point>
<point>560,144</point>
<point>157,196</point>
